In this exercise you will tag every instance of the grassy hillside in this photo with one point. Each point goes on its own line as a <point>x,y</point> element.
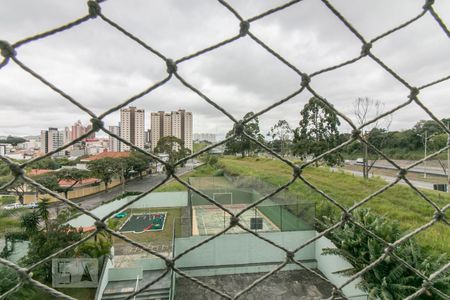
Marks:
<point>400,202</point>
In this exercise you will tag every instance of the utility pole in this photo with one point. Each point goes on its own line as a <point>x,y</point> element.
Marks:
<point>425,141</point>
<point>366,158</point>
<point>448,159</point>
<point>123,178</point>
<point>425,162</point>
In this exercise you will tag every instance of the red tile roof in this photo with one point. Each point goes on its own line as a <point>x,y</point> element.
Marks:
<point>107,154</point>
<point>81,182</point>
<point>87,228</point>
<point>34,172</point>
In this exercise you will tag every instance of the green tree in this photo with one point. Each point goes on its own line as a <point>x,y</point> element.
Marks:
<point>4,169</point>
<point>172,146</point>
<point>49,181</point>
<point>132,165</point>
<point>9,278</point>
<point>429,126</point>
<point>17,188</point>
<point>142,162</point>
<point>43,212</point>
<point>71,174</point>
<point>47,163</point>
<point>389,280</point>
<point>105,169</point>
<point>318,132</point>
<point>13,140</point>
<point>281,134</point>
<point>44,243</point>
<point>241,144</point>
<point>97,247</point>
<point>30,222</point>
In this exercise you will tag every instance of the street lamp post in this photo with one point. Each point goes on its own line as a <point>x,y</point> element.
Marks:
<point>425,140</point>
<point>425,155</point>
<point>425,145</point>
<point>448,160</point>
<point>122,174</point>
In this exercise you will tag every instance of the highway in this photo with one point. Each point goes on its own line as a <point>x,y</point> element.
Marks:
<point>418,169</point>
<point>416,183</point>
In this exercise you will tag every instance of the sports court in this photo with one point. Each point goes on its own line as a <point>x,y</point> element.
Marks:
<point>274,214</point>
<point>144,222</point>
<point>208,220</point>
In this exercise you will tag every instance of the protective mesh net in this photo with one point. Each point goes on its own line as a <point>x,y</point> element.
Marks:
<point>8,52</point>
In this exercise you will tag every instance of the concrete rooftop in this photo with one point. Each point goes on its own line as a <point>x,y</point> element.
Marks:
<point>284,285</point>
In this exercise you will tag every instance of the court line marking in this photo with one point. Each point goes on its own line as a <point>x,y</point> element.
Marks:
<point>204,226</point>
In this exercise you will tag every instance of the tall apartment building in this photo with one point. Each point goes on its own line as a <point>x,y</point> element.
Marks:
<point>114,144</point>
<point>2,149</point>
<point>51,139</point>
<point>175,123</point>
<point>67,138</point>
<point>78,130</point>
<point>132,127</point>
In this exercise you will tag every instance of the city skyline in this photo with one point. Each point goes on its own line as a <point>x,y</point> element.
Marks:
<point>131,128</point>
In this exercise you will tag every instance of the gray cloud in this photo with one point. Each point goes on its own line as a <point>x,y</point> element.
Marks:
<point>100,67</point>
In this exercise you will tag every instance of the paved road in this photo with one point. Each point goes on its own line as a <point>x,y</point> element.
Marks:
<point>136,185</point>
<point>418,169</point>
<point>438,171</point>
<point>419,184</point>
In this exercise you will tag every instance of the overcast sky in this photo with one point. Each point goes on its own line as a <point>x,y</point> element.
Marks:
<point>100,67</point>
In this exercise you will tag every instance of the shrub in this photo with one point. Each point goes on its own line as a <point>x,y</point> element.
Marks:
<point>219,172</point>
<point>7,200</point>
<point>113,223</point>
<point>389,279</point>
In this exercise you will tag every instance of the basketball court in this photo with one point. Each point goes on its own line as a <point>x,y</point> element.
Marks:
<point>144,222</point>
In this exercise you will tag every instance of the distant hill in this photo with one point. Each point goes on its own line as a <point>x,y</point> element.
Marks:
<point>13,140</point>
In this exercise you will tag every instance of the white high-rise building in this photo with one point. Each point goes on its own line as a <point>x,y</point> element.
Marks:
<point>51,140</point>
<point>132,127</point>
<point>176,123</point>
<point>187,137</point>
<point>2,149</point>
<point>114,144</point>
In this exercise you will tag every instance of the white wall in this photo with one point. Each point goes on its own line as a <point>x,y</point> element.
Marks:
<point>104,279</point>
<point>125,274</point>
<point>242,253</point>
<point>328,264</point>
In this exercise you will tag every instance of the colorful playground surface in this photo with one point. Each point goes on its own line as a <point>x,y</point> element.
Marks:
<point>121,215</point>
<point>144,222</point>
<point>208,220</point>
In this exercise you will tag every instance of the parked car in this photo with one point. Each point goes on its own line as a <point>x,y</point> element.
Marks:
<point>31,205</point>
<point>359,161</point>
<point>13,206</point>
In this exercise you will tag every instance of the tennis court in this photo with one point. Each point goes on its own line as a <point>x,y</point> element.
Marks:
<point>209,220</point>
<point>144,222</point>
<point>278,213</point>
